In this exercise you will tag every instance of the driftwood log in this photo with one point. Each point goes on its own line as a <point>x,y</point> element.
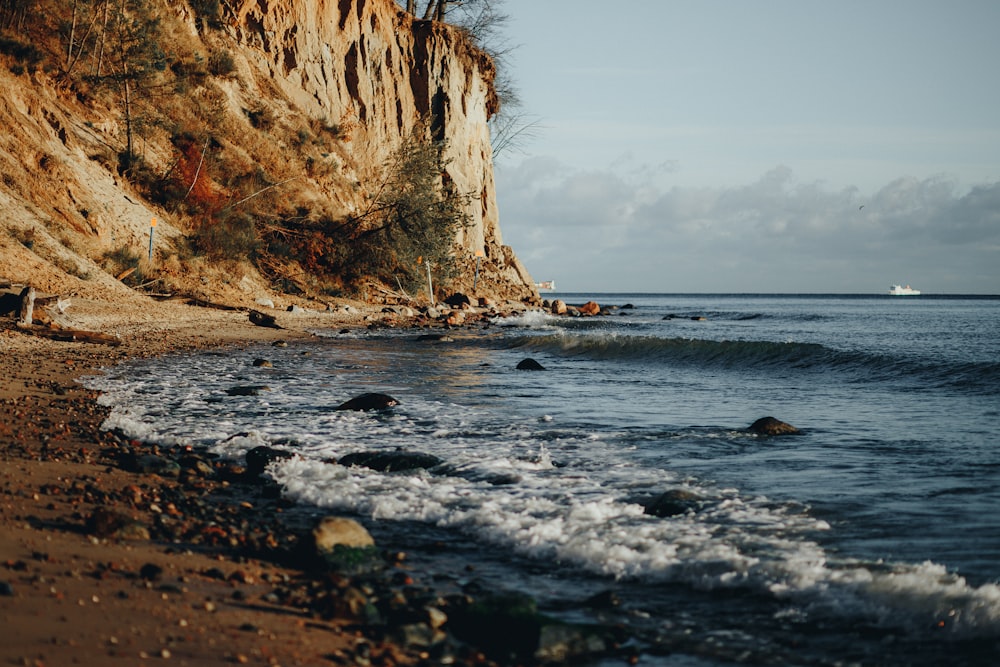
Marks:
<point>195,301</point>
<point>27,307</point>
<point>42,324</point>
<point>71,335</point>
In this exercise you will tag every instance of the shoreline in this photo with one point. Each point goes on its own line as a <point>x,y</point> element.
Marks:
<point>75,592</point>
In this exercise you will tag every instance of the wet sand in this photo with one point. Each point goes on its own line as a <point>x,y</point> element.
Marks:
<point>78,588</point>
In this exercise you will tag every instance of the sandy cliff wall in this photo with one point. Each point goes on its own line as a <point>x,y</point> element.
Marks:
<point>362,65</point>
<point>377,72</point>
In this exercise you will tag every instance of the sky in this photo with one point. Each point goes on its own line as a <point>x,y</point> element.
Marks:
<point>800,146</point>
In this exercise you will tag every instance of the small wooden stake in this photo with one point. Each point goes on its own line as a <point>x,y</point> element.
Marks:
<point>27,306</point>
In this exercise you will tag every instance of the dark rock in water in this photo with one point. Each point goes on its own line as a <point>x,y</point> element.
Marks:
<point>563,642</point>
<point>260,457</point>
<point>473,474</point>
<point>263,320</point>
<point>443,338</point>
<point>509,628</point>
<point>248,390</point>
<point>772,426</point>
<point>262,363</point>
<point>530,365</point>
<point>279,343</point>
<point>369,402</point>
<point>603,600</point>
<point>390,461</point>
<point>672,503</point>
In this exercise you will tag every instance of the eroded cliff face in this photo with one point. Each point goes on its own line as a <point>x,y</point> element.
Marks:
<point>364,67</point>
<point>377,72</point>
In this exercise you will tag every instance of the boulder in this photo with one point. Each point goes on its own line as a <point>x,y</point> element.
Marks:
<point>772,426</point>
<point>459,300</point>
<point>371,401</point>
<point>262,320</point>
<point>248,390</point>
<point>332,531</point>
<point>260,457</point>
<point>106,523</point>
<point>509,628</point>
<point>390,461</point>
<point>558,307</point>
<point>262,363</point>
<point>344,546</point>
<point>672,503</point>
<point>590,308</point>
<point>529,365</point>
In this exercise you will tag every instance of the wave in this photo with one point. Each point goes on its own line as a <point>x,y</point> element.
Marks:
<point>743,355</point>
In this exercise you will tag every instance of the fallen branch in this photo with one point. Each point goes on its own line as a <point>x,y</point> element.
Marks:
<point>262,190</point>
<point>195,301</point>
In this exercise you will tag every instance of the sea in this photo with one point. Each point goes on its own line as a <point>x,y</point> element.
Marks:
<point>872,537</point>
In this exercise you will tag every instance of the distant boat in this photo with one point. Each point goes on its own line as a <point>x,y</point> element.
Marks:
<point>899,290</point>
<point>546,284</point>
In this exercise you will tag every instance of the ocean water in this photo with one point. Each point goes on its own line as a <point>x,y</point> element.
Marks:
<point>871,538</point>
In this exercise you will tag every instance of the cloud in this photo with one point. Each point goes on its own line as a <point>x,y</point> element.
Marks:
<point>617,230</point>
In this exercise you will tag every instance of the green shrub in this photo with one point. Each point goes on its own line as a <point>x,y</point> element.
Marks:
<point>414,219</point>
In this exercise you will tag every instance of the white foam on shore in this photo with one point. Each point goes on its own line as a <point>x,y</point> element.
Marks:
<point>737,544</point>
<point>529,319</point>
<point>577,514</point>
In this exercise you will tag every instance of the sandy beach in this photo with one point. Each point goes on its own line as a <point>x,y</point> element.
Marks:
<point>74,590</point>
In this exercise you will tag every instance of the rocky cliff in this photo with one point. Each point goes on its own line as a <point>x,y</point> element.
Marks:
<point>364,67</point>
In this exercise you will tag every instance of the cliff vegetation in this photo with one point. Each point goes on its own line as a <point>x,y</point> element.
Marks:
<point>230,150</point>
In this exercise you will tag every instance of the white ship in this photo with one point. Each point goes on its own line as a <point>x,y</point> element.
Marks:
<point>899,290</point>
<point>548,284</point>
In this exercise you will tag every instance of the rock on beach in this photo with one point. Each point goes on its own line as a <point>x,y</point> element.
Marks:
<point>772,426</point>
<point>370,401</point>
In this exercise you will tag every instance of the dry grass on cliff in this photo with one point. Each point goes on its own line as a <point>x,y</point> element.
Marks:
<point>67,209</point>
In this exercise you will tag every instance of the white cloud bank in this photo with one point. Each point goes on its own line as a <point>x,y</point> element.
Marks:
<point>605,230</point>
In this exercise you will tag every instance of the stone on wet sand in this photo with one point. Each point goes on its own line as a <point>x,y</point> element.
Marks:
<point>332,531</point>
